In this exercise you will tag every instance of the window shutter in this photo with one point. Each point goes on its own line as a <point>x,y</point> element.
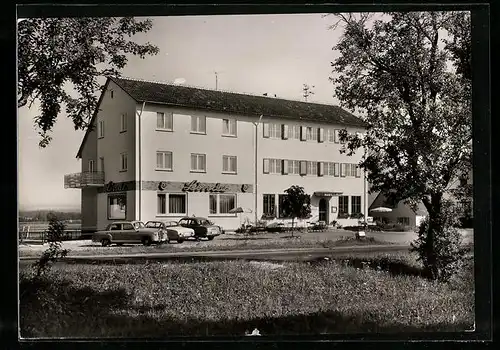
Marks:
<point>336,136</point>
<point>284,131</point>
<point>336,169</point>
<point>321,135</point>
<point>342,169</point>
<point>303,167</point>
<point>284,167</point>
<point>321,168</point>
<point>358,171</point>
<point>266,166</point>
<point>302,133</point>
<point>266,129</point>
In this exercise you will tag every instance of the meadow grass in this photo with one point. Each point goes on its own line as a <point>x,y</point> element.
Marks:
<point>231,297</point>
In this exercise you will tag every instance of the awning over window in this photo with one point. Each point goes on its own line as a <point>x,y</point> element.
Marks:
<point>327,194</point>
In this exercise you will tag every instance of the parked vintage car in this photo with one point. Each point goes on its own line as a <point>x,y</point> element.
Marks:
<point>172,231</point>
<point>202,227</point>
<point>121,232</point>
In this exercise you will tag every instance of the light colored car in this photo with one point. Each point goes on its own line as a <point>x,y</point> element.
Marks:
<point>128,232</point>
<point>172,231</point>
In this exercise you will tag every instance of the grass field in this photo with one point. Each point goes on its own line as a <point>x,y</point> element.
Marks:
<point>226,244</point>
<point>231,297</point>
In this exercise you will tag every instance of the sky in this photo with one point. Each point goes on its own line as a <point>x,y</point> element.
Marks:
<point>252,54</point>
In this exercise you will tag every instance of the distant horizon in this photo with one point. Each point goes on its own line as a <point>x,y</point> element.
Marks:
<point>53,208</point>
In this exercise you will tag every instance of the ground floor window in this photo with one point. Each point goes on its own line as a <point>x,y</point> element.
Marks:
<point>117,206</point>
<point>222,203</point>
<point>269,204</point>
<point>171,203</point>
<point>404,221</point>
<point>355,204</point>
<point>343,206</point>
<point>282,199</point>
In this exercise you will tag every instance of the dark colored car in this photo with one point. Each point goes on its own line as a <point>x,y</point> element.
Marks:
<point>203,228</point>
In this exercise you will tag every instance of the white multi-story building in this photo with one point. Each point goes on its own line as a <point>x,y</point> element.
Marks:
<point>161,151</point>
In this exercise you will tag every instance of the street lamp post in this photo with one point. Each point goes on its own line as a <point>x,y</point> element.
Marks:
<point>255,166</point>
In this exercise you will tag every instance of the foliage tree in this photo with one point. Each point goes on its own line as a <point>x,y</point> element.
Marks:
<point>408,76</point>
<point>61,59</point>
<point>54,252</point>
<point>297,204</point>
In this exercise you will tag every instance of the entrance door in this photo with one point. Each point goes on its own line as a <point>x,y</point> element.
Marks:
<point>323,210</point>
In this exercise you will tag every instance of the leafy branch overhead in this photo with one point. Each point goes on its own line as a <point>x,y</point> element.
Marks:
<point>409,76</point>
<point>61,59</point>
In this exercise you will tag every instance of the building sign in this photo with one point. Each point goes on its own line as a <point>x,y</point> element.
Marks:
<point>327,194</point>
<point>115,187</point>
<point>196,186</point>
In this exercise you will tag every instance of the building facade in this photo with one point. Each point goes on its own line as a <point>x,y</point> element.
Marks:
<point>161,152</point>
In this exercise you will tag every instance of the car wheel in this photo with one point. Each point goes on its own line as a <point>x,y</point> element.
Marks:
<point>180,241</point>
<point>105,242</point>
<point>146,241</point>
<point>210,238</point>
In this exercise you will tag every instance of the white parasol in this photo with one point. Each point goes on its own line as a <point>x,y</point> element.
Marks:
<point>381,210</point>
<point>240,210</point>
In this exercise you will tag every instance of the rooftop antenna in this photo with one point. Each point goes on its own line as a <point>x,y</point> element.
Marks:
<point>307,91</point>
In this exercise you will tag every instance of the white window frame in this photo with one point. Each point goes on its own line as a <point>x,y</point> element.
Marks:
<point>100,129</point>
<point>353,204</point>
<point>164,155</point>
<point>196,122</point>
<point>311,168</point>
<point>275,131</point>
<point>294,132</point>
<point>167,204</point>
<point>123,161</point>
<point>123,122</point>
<point>165,117</point>
<point>232,127</point>
<point>294,167</point>
<point>218,203</point>
<point>229,158</point>
<point>198,156</point>
<point>311,134</point>
<point>275,166</point>
<point>329,168</point>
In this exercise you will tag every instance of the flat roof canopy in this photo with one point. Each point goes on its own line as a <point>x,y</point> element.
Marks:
<point>327,194</point>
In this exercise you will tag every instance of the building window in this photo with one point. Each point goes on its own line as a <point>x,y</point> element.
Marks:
<point>330,169</point>
<point>101,164</point>
<point>350,169</point>
<point>222,203</point>
<point>198,124</point>
<point>100,129</point>
<point>311,134</point>
<point>274,166</point>
<point>294,167</point>
<point>281,200</point>
<point>117,206</point>
<point>164,121</point>
<point>331,135</point>
<point>404,221</point>
<point>91,166</point>
<point>336,169</point>
<point>198,162</point>
<point>164,160</point>
<point>312,168</point>
<point>355,204</point>
<point>171,203</point>
<point>275,130</point>
<point>229,127</point>
<point>294,132</point>
<point>229,164</point>
<point>111,93</point>
<point>123,123</point>
<point>269,205</point>
<point>343,205</point>
<point>336,136</point>
<point>123,162</point>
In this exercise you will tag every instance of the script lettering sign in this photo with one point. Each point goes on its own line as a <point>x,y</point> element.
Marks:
<point>195,186</point>
<point>115,187</point>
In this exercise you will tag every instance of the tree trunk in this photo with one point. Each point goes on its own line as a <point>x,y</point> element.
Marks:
<point>292,225</point>
<point>436,225</point>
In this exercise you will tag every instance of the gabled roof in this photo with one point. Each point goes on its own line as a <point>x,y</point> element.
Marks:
<point>230,102</point>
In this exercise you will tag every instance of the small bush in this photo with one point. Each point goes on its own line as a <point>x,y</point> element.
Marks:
<point>440,250</point>
<point>55,234</point>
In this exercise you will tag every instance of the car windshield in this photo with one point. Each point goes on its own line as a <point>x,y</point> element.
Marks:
<point>183,222</point>
<point>204,222</point>
<point>153,224</point>
<point>172,223</point>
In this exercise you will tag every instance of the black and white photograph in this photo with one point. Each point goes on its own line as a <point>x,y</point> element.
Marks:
<point>245,175</point>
